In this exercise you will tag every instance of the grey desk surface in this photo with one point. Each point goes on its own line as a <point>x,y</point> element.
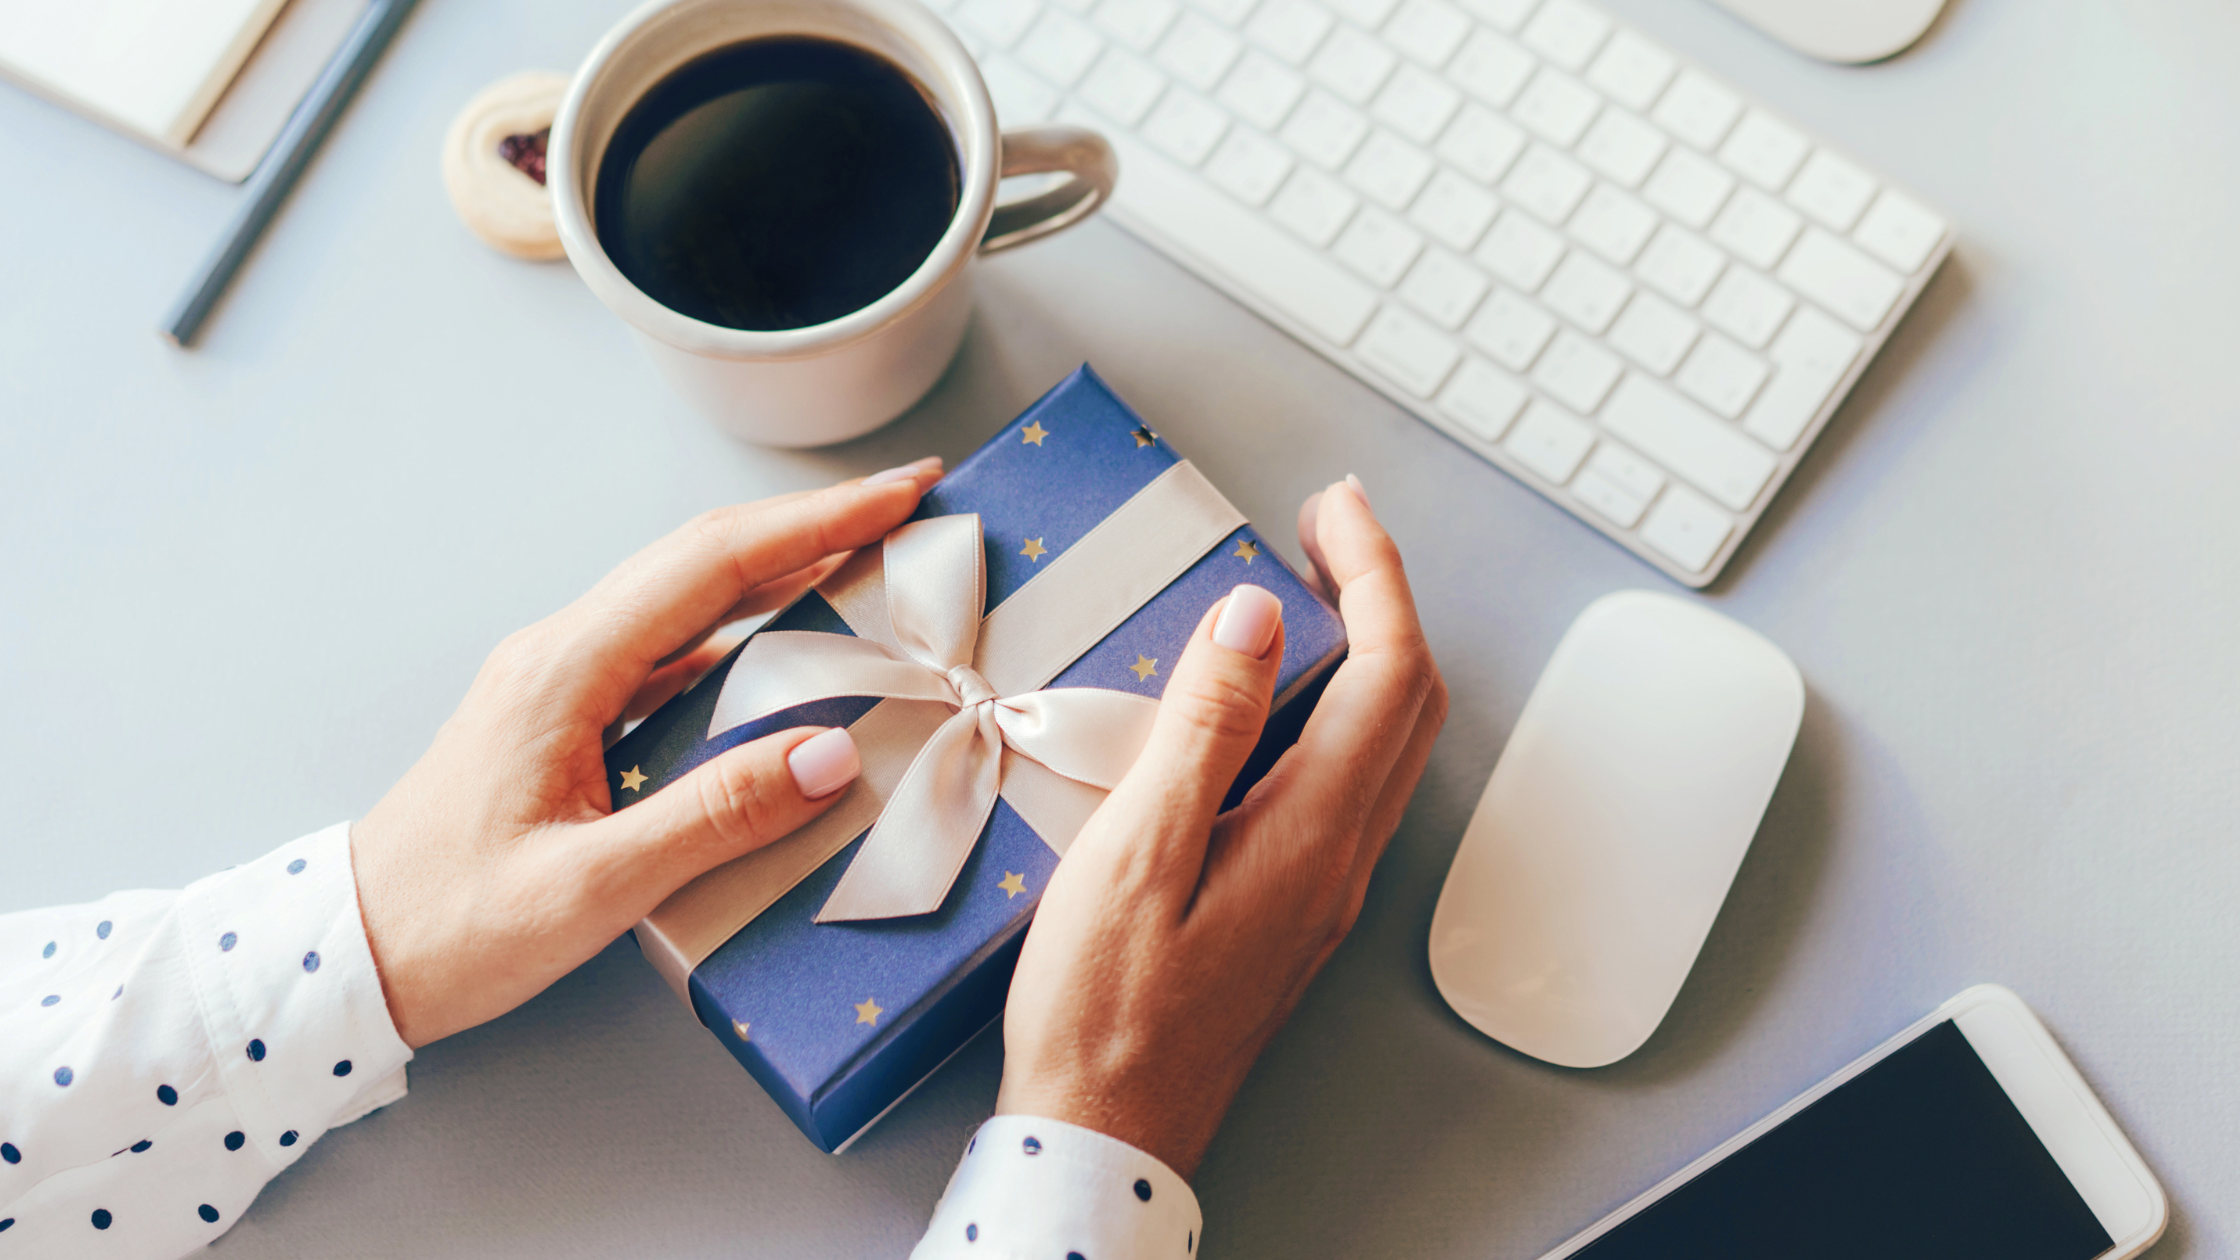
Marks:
<point>243,585</point>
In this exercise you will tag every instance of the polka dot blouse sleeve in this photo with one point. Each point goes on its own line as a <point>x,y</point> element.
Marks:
<point>165,1054</point>
<point>1035,1189</point>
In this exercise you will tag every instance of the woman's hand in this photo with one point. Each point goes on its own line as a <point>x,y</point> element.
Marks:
<point>497,864</point>
<point>1174,940</point>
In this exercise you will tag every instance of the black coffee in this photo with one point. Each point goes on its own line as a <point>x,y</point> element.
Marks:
<point>776,183</point>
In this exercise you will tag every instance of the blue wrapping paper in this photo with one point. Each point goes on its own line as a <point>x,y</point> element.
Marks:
<point>838,1021</point>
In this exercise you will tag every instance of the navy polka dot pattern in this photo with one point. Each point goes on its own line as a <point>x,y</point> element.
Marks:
<point>101,1218</point>
<point>256,1050</point>
<point>9,1152</point>
<point>288,1138</point>
<point>63,1076</point>
<point>1032,1146</point>
<point>166,1095</point>
<point>227,942</point>
<point>207,1213</point>
<point>235,1139</point>
<point>1143,1190</point>
<point>342,1068</point>
<point>141,1145</point>
<point>972,1233</point>
<point>311,962</point>
<point>50,999</point>
<point>48,952</point>
<point>1046,1189</point>
<point>296,867</point>
<point>6,1223</point>
<point>118,994</point>
<point>1075,1255</point>
<point>101,930</point>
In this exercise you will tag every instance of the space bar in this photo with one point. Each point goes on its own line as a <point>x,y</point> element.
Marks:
<point>1241,245</point>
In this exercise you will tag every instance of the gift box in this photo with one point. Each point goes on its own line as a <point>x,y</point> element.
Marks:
<point>998,660</point>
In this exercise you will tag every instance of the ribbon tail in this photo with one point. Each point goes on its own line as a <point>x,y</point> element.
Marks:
<point>777,670</point>
<point>929,827</point>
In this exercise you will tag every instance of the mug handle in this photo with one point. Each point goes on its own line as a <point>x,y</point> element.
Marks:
<point>1078,151</point>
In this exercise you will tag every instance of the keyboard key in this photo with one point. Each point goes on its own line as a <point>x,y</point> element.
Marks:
<point>1389,170</point>
<point>1484,398</point>
<point>1654,333</point>
<point>1289,29</point>
<point>1427,30</point>
<point>1295,280</point>
<point>1416,104</point>
<point>1226,12</point>
<point>1586,293</point>
<point>1626,470</point>
<point>1900,231</point>
<point>1622,147</point>
<point>1764,150</point>
<point>1556,106</point>
<point>1547,183</point>
<point>1413,354</point>
<point>1721,375</point>
<point>1491,68</point>
<point>1506,14</point>
<point>1679,265</point>
<point>1612,224</point>
<point>1577,372</point>
<point>1481,143</point>
<point>1549,442</point>
<point>1566,33</point>
<point>1325,130</point>
<point>1511,329</point>
<point>1061,47</point>
<point>1136,23</point>
<point>1520,251</point>
<point>1185,126</point>
<point>1831,190</point>
<point>1857,288</point>
<point>1122,87</point>
<point>1697,110</point>
<point>1453,210</point>
<point>1608,499</point>
<point>1688,187</point>
<point>1313,205</point>
<point>1019,97</point>
<point>1366,14</point>
<point>1378,246</point>
<point>1000,22</point>
<point>1261,90</point>
<point>1747,307</point>
<point>1689,441</point>
<point>1687,529</point>
<point>1198,52</point>
<point>1811,355</point>
<point>1631,70</point>
<point>1248,165</point>
<point>1352,64</point>
<point>1445,288</point>
<point>1756,228</point>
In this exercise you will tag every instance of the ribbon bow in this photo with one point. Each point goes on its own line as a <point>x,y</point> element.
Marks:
<point>936,585</point>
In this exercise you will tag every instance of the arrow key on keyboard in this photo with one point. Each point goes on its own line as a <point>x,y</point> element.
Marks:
<point>1687,528</point>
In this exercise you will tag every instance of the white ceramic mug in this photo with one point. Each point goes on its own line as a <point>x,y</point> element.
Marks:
<point>836,380</point>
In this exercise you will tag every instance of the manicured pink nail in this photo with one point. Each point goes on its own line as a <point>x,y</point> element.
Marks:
<point>931,463</point>
<point>823,764</point>
<point>1248,621</point>
<point>1358,490</point>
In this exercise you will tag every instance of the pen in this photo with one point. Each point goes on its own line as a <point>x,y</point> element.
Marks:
<point>277,173</point>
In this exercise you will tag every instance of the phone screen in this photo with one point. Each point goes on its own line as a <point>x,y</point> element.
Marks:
<point>1921,1155</point>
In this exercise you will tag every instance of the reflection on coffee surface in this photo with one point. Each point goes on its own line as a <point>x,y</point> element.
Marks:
<point>776,183</point>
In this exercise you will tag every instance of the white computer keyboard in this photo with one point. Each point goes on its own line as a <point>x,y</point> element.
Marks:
<point>1600,268</point>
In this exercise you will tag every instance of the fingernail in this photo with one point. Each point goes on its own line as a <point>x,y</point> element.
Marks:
<point>1358,490</point>
<point>1248,621</point>
<point>907,472</point>
<point>823,764</point>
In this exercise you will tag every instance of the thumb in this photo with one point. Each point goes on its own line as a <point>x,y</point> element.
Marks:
<point>1212,713</point>
<point>740,801</point>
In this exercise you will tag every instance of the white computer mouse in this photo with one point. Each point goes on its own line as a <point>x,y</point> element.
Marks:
<point>1851,31</point>
<point>1614,823</point>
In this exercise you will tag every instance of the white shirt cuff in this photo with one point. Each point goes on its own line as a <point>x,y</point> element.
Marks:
<point>1030,1188</point>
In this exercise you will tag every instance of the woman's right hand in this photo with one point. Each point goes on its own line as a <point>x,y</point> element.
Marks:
<point>1174,940</point>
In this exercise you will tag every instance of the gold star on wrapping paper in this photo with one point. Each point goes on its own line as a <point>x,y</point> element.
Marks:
<point>632,780</point>
<point>739,1026</point>
<point>1145,667</point>
<point>1246,551</point>
<point>868,1012</point>
<point>1012,884</point>
<point>1144,436</point>
<point>1033,434</point>
<point>1034,550</point>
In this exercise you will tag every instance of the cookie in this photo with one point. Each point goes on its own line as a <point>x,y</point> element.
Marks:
<point>494,163</point>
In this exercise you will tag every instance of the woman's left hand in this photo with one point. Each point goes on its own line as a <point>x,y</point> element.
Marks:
<point>498,863</point>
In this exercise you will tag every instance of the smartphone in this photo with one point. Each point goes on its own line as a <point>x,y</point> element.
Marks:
<point>1967,1135</point>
